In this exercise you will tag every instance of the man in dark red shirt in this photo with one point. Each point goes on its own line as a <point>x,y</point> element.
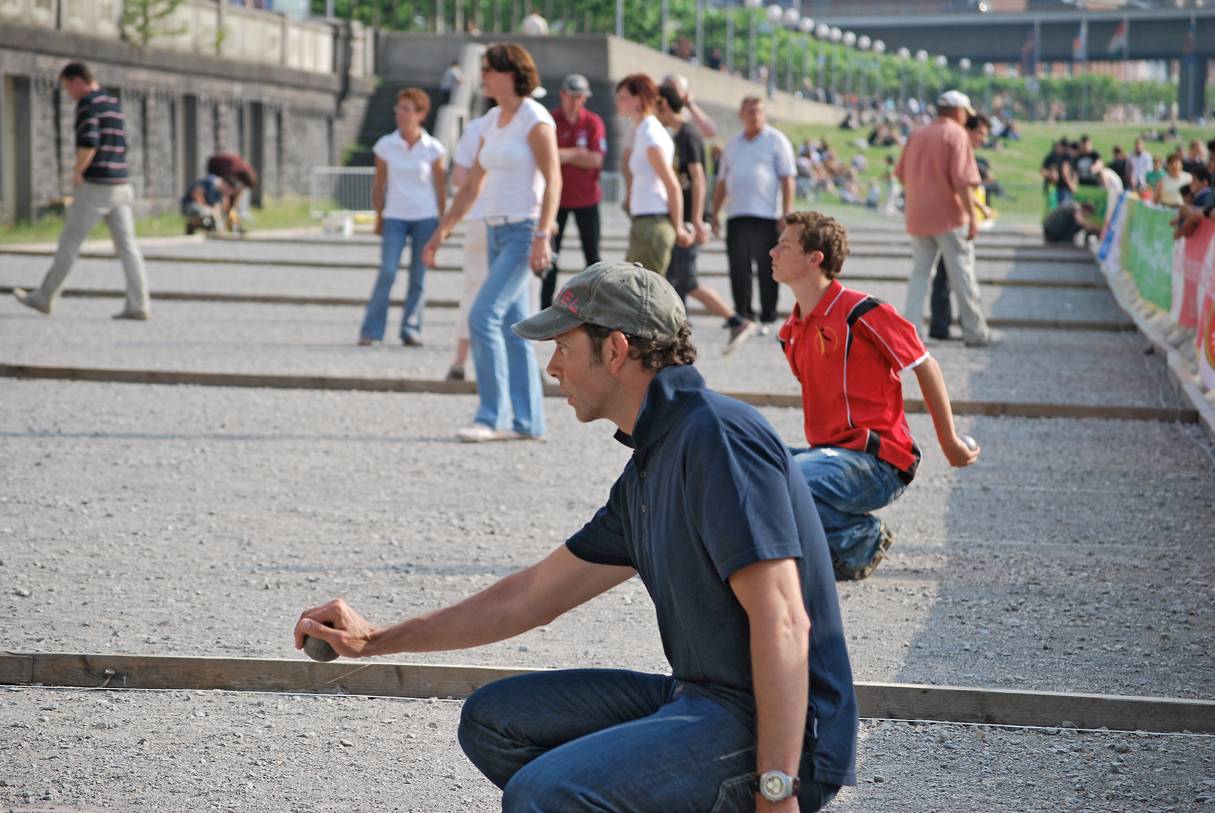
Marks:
<point>849,350</point>
<point>581,145</point>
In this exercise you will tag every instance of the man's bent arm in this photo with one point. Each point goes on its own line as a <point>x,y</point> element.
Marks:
<point>770,593</point>
<point>936,399</point>
<point>511,606</point>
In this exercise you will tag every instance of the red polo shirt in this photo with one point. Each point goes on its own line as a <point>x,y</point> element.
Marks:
<point>848,355</point>
<point>579,186</point>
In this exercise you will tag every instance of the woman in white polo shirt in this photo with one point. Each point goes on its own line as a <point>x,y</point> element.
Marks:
<point>516,182</point>
<point>409,195</point>
<point>655,199</point>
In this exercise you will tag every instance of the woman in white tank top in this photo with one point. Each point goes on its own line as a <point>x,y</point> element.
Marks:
<point>516,183</point>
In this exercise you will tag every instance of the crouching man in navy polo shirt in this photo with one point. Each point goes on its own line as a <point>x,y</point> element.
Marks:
<point>713,514</point>
<point>849,350</point>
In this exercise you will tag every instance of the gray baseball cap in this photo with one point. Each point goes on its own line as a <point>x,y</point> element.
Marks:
<point>576,85</point>
<point>617,295</point>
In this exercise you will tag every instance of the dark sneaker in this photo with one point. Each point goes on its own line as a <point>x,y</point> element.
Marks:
<point>455,374</point>
<point>739,335</point>
<point>885,540</point>
<point>411,341</point>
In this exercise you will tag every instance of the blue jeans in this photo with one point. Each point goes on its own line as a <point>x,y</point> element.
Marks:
<point>392,245</point>
<point>613,740</point>
<point>506,364</point>
<point>848,486</point>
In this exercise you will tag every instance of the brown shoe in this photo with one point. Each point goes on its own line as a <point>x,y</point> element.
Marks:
<point>134,316</point>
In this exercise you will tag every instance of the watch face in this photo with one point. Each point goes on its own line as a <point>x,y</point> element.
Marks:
<point>773,787</point>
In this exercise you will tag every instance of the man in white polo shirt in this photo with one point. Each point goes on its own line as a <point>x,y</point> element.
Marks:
<point>755,183</point>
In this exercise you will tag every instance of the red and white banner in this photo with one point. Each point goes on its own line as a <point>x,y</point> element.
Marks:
<point>1192,256</point>
<point>1204,334</point>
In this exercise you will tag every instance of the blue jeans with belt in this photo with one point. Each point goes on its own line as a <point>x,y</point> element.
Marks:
<point>392,245</point>
<point>507,372</point>
<point>614,740</point>
<point>847,487</point>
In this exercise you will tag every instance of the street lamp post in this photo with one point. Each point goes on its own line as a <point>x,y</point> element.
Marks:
<point>751,5</point>
<point>921,56</point>
<point>989,70</point>
<point>665,33</point>
<point>700,32</point>
<point>775,15</point>
<point>729,40</point>
<point>904,54</point>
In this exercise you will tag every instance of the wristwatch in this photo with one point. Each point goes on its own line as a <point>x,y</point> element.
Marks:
<point>540,235</point>
<point>776,786</point>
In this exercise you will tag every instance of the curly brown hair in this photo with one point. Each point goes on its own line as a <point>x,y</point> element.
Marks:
<point>510,57</point>
<point>654,354</point>
<point>825,234</point>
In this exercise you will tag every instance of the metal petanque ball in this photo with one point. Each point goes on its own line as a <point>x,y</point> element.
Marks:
<point>970,442</point>
<point>319,649</point>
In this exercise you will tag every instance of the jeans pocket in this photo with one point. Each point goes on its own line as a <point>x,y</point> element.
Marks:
<point>735,794</point>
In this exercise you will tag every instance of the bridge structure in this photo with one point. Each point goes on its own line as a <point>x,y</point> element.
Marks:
<point>1026,39</point>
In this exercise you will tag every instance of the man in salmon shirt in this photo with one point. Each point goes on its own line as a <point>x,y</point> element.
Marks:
<point>849,350</point>
<point>938,171</point>
<point>581,146</point>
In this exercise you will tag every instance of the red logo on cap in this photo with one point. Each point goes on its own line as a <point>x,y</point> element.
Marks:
<point>569,301</point>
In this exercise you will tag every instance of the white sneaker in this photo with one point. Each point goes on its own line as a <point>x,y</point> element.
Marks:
<point>480,433</point>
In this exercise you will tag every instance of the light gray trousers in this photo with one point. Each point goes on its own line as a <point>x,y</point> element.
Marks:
<point>959,256</point>
<point>94,201</point>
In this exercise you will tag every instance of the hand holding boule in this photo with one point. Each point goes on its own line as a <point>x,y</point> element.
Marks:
<point>318,648</point>
<point>970,442</point>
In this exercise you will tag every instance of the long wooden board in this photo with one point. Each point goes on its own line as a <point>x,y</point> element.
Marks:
<point>437,387</point>
<point>897,701</point>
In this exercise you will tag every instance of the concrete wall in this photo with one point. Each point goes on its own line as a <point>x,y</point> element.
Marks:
<point>420,59</point>
<point>319,115</point>
<point>206,27</point>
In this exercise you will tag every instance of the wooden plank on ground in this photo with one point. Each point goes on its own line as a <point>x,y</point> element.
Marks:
<point>437,387</point>
<point>897,701</point>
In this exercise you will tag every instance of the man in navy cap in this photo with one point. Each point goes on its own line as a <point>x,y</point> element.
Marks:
<point>716,519</point>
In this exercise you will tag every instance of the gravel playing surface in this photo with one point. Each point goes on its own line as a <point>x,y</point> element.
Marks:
<point>173,750</point>
<point>188,520</point>
<point>131,512</point>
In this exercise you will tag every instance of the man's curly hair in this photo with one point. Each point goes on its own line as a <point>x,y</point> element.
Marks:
<point>654,354</point>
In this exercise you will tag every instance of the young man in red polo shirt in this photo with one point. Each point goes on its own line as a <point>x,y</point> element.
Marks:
<point>581,146</point>
<point>849,350</point>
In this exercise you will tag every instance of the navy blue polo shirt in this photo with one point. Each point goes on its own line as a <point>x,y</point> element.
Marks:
<point>710,489</point>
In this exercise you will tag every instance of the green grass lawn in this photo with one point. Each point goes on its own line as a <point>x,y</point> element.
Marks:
<point>1015,164</point>
<point>281,213</point>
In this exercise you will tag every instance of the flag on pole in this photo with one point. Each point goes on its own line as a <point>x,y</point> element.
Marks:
<point>1119,41</point>
<point>1080,43</point>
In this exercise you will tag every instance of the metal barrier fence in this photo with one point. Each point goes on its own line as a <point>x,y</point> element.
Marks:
<point>340,190</point>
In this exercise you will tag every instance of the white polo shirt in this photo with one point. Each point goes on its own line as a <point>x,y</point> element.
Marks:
<point>648,195</point>
<point>411,186</point>
<point>753,169</point>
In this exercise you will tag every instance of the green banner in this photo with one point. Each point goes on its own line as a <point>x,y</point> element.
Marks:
<point>1147,252</point>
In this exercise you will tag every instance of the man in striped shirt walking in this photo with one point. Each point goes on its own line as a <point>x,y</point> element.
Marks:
<point>101,188</point>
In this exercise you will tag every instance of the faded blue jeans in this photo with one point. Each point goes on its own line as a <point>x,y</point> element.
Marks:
<point>847,487</point>
<point>392,245</point>
<point>614,740</point>
<point>505,363</point>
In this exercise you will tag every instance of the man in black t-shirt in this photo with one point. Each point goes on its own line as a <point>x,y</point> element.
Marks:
<point>1088,163</point>
<point>1121,167</point>
<point>690,170</point>
<point>1067,220</point>
<point>1057,171</point>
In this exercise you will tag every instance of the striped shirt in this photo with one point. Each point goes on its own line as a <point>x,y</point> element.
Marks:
<point>100,125</point>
